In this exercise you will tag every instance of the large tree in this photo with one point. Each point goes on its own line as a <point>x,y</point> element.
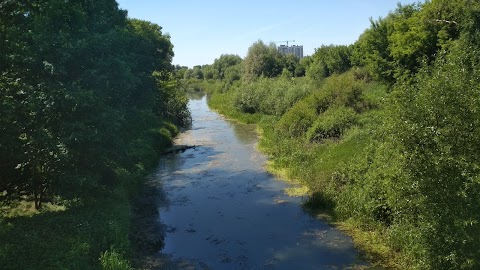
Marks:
<point>221,64</point>
<point>262,60</point>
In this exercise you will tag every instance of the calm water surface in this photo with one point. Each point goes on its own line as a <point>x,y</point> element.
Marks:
<point>224,211</point>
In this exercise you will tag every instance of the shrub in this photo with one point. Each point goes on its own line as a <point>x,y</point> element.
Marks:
<point>270,96</point>
<point>299,118</point>
<point>111,260</point>
<point>342,90</point>
<point>332,123</point>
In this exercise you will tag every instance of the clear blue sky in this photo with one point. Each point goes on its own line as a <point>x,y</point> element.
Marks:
<point>203,30</point>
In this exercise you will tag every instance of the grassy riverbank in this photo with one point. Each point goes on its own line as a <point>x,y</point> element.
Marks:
<point>314,166</point>
<point>383,134</point>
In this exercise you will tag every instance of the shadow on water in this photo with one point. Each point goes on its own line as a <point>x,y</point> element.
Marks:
<point>220,209</point>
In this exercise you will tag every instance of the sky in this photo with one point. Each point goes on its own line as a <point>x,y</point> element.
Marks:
<point>203,30</point>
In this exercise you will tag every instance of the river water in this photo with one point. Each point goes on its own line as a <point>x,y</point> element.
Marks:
<point>222,210</point>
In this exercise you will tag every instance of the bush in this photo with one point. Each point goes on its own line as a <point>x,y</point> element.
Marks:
<point>342,90</point>
<point>331,124</point>
<point>299,118</point>
<point>270,96</point>
<point>111,260</point>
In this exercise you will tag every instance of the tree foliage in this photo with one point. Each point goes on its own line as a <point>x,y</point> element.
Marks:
<point>224,62</point>
<point>77,92</point>
<point>328,60</point>
<point>398,45</point>
<point>262,60</point>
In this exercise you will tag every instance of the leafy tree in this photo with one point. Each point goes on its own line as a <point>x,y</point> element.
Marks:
<point>197,72</point>
<point>408,38</point>
<point>372,50</point>
<point>302,66</point>
<point>262,60</point>
<point>233,73</point>
<point>208,72</point>
<point>290,64</point>
<point>328,60</point>
<point>180,71</point>
<point>221,64</point>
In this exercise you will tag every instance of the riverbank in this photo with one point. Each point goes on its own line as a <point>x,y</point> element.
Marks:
<point>308,166</point>
<point>233,213</point>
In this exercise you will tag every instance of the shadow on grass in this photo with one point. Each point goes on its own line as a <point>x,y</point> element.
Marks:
<point>321,206</point>
<point>70,239</point>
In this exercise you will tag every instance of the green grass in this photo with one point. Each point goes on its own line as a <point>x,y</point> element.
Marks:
<point>73,238</point>
<point>112,260</point>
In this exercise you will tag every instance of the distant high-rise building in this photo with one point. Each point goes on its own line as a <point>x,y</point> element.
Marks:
<point>296,50</point>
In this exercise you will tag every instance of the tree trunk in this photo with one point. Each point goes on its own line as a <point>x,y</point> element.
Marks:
<point>38,192</point>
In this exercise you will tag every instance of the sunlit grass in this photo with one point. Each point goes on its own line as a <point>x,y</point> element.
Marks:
<point>64,237</point>
<point>26,208</point>
<point>374,241</point>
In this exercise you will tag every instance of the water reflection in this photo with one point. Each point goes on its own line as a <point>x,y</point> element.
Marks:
<point>195,95</point>
<point>245,133</point>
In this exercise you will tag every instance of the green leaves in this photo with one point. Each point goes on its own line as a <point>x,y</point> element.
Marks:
<point>331,124</point>
<point>262,60</point>
<point>438,128</point>
<point>329,60</point>
<point>75,77</point>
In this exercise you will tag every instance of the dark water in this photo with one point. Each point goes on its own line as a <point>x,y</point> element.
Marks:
<point>224,211</point>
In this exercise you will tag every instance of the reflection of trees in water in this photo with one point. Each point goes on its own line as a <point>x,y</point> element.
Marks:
<point>244,133</point>
<point>195,95</point>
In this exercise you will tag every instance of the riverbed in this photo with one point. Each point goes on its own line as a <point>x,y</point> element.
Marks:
<point>222,210</point>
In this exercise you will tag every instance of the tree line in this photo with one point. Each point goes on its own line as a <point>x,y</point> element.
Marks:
<point>384,132</point>
<point>88,98</point>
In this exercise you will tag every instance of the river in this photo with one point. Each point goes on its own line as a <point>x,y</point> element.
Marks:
<point>223,210</point>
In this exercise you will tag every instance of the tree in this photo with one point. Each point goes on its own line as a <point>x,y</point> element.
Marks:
<point>408,38</point>
<point>262,60</point>
<point>221,64</point>
<point>372,50</point>
<point>302,66</point>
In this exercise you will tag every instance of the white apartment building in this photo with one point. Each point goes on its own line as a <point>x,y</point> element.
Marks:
<point>296,50</point>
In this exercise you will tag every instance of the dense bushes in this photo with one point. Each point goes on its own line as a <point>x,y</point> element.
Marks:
<point>331,124</point>
<point>296,121</point>
<point>271,97</point>
<point>339,99</point>
<point>329,60</point>
<point>426,196</point>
